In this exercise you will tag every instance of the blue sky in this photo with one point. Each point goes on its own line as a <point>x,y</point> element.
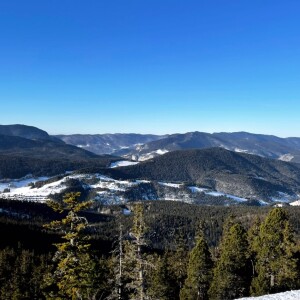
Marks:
<point>151,66</point>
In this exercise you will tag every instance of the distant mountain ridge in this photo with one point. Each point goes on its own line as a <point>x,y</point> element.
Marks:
<point>26,149</point>
<point>141,147</point>
<point>213,176</point>
<point>287,149</point>
<point>25,131</point>
<point>202,159</point>
<point>117,143</point>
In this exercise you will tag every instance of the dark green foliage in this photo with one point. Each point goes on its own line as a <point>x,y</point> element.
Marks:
<point>165,258</point>
<point>134,256</point>
<point>160,283</point>
<point>231,273</point>
<point>177,264</point>
<point>33,151</point>
<point>199,272</point>
<point>274,248</point>
<point>21,274</point>
<point>73,274</point>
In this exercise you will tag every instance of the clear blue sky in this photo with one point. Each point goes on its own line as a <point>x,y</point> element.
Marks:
<point>151,66</point>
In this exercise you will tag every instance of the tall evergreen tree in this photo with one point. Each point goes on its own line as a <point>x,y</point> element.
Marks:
<point>231,272</point>
<point>74,267</point>
<point>198,272</point>
<point>274,246</point>
<point>159,285</point>
<point>117,269</point>
<point>177,261</point>
<point>134,258</point>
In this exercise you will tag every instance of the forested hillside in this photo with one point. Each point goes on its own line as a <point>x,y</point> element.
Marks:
<point>240,174</point>
<point>28,150</point>
<point>175,242</point>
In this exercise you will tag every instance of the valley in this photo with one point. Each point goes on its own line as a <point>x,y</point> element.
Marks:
<point>36,166</point>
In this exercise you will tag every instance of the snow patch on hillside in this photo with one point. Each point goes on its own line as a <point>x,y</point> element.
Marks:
<point>19,183</point>
<point>286,157</point>
<point>283,197</point>
<point>195,189</point>
<point>240,150</point>
<point>35,194</point>
<point>83,146</point>
<point>218,194</point>
<point>162,151</point>
<point>295,203</point>
<point>123,163</point>
<point>291,295</point>
<point>152,154</point>
<point>173,185</point>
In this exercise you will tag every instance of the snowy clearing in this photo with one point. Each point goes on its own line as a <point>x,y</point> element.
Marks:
<point>283,197</point>
<point>295,203</point>
<point>18,183</point>
<point>240,150</point>
<point>162,151</point>
<point>218,194</point>
<point>286,157</point>
<point>292,295</point>
<point>195,189</point>
<point>173,185</point>
<point>123,163</point>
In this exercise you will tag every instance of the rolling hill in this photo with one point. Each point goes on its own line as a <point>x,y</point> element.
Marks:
<point>240,174</point>
<point>26,149</point>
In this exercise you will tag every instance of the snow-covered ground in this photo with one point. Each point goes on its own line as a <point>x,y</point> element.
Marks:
<point>241,150</point>
<point>286,157</point>
<point>108,190</point>
<point>152,154</point>
<point>123,163</point>
<point>195,189</point>
<point>295,203</point>
<point>173,185</point>
<point>162,151</point>
<point>283,197</point>
<point>18,183</point>
<point>24,191</point>
<point>112,191</point>
<point>291,295</point>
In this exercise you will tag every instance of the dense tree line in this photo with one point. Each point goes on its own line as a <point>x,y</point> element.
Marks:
<point>252,253</point>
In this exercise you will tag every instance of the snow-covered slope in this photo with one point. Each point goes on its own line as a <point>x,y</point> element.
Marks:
<point>123,163</point>
<point>291,295</point>
<point>111,191</point>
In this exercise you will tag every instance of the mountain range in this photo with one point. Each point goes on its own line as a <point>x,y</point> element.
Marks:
<point>177,165</point>
<point>143,147</point>
<point>27,149</point>
<point>117,143</point>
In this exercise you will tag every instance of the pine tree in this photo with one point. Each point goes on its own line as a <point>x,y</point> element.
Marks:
<point>177,262</point>
<point>159,286</point>
<point>198,272</point>
<point>73,274</point>
<point>134,258</point>
<point>231,272</point>
<point>117,269</point>
<point>274,246</point>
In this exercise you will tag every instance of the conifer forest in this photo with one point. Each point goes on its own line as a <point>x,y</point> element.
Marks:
<point>71,249</point>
